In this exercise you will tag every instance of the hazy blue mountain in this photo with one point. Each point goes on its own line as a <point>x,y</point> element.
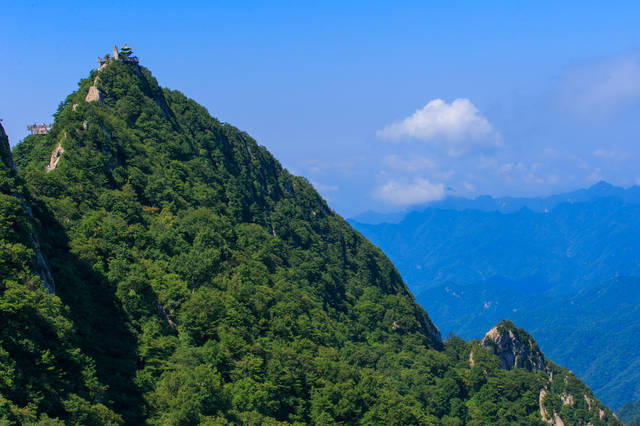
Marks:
<point>630,413</point>
<point>508,204</point>
<point>567,248</point>
<point>540,204</point>
<point>373,217</point>
<point>592,332</point>
<point>565,273</point>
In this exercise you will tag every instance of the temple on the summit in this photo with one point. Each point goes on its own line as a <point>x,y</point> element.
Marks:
<point>124,55</point>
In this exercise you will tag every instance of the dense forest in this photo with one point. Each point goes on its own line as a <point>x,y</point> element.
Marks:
<point>194,280</point>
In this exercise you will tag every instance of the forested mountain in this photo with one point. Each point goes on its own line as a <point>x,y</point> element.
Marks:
<point>46,364</point>
<point>197,281</point>
<point>558,273</point>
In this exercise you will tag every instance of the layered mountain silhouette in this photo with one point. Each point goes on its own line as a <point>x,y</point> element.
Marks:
<point>508,204</point>
<point>565,267</point>
<point>197,281</point>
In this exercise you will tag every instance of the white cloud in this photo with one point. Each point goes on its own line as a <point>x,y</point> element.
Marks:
<point>320,187</point>
<point>445,174</point>
<point>595,176</point>
<point>418,191</point>
<point>613,154</point>
<point>468,186</point>
<point>321,168</point>
<point>602,88</point>
<point>528,173</point>
<point>457,127</point>
<point>413,163</point>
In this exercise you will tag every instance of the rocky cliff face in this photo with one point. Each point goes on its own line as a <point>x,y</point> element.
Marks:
<point>515,347</point>
<point>5,149</point>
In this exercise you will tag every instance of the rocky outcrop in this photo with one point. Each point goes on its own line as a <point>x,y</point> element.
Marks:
<point>515,347</point>
<point>550,418</point>
<point>55,158</point>
<point>567,399</point>
<point>93,95</point>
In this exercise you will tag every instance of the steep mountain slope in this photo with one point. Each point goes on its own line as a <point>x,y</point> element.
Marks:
<point>43,369</point>
<point>207,284</point>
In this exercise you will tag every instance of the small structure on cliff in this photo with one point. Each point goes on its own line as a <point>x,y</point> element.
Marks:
<point>39,129</point>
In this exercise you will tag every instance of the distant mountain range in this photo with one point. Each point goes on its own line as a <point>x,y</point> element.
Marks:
<point>508,204</point>
<point>566,267</point>
<point>568,247</point>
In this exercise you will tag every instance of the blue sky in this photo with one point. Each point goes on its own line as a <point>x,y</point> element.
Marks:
<point>381,105</point>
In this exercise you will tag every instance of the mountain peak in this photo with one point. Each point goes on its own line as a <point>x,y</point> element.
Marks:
<point>601,184</point>
<point>125,54</point>
<point>603,188</point>
<point>515,347</point>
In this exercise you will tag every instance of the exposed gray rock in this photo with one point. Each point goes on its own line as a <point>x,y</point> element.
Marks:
<point>515,347</point>
<point>93,95</point>
<point>56,155</point>
<point>552,419</point>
